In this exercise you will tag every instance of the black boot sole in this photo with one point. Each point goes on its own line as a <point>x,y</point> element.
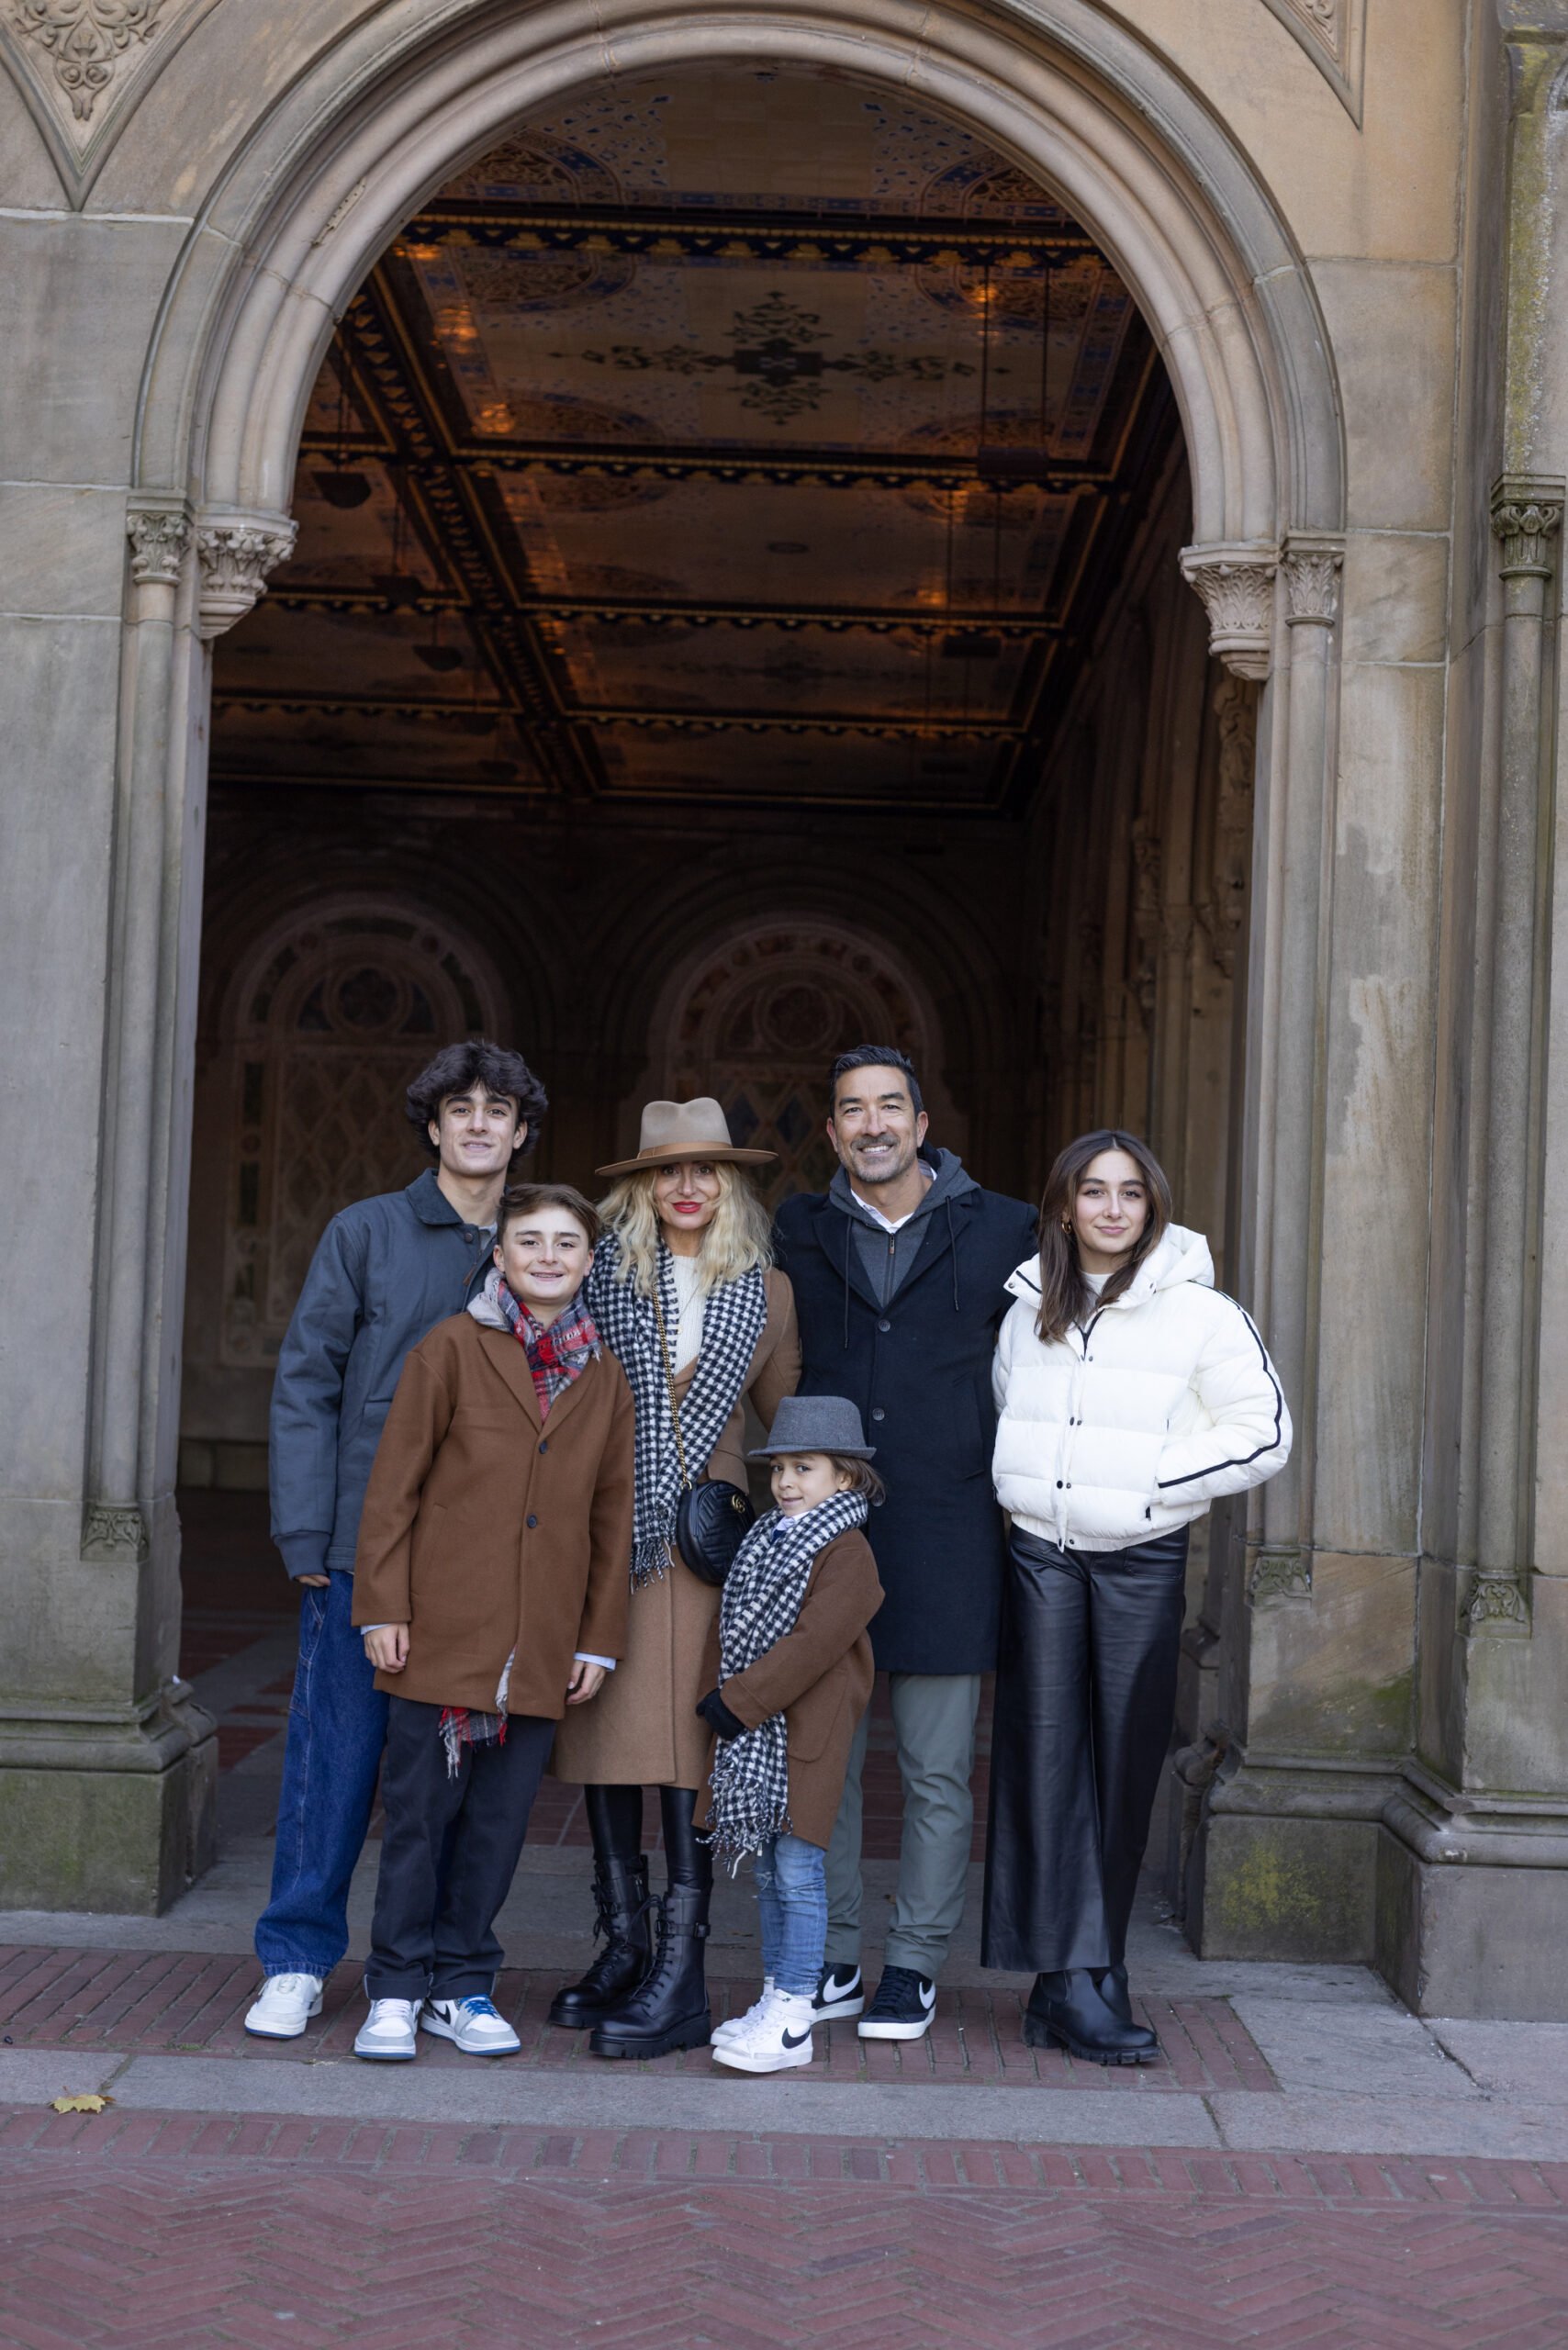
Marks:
<point>1044,2036</point>
<point>695,2033</point>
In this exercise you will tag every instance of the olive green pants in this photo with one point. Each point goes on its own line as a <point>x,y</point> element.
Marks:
<point>934,1727</point>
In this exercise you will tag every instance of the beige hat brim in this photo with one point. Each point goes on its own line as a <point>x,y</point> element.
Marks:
<point>679,1154</point>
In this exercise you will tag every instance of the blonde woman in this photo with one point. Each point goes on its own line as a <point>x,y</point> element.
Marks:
<point>683,1277</point>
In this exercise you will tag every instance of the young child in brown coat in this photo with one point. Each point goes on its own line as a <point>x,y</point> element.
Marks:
<point>491,1588</point>
<point>792,1667</point>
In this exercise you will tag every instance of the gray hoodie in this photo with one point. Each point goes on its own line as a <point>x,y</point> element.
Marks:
<point>886,1256</point>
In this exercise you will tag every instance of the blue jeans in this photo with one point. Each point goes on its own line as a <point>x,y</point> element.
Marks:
<point>791,1904</point>
<point>337,1726</point>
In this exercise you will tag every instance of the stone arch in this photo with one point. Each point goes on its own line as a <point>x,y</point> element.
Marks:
<point>328,176</point>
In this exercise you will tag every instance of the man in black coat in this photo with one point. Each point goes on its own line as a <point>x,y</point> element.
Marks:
<point>897,1270</point>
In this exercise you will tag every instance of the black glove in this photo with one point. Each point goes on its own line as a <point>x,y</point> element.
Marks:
<point>718,1716</point>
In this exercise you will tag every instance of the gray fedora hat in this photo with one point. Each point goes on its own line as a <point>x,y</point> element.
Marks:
<point>816,1424</point>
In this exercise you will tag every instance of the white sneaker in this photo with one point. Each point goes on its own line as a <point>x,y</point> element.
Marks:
<point>286,2006</point>
<point>731,2024</point>
<point>775,2040</point>
<point>472,2023</point>
<point>387,2032</point>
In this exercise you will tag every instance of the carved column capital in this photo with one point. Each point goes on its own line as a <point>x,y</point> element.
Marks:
<point>159,538</point>
<point>1527,516</point>
<point>1311,568</point>
<point>1237,585</point>
<point>1497,1603</point>
<point>114,1533</point>
<point>236,552</point>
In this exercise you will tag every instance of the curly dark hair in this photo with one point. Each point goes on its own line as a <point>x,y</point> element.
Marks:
<point>475,1061</point>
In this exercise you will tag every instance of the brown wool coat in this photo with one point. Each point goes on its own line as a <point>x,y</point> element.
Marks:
<point>643,1730</point>
<point>489,1527</point>
<point>818,1677</point>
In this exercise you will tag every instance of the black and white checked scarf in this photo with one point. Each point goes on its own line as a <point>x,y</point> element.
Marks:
<point>763,1592</point>
<point>732,1317</point>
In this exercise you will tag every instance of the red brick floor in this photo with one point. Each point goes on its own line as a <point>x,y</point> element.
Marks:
<point>143,2231</point>
<point>165,2002</point>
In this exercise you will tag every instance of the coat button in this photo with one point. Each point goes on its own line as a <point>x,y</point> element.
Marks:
<point>545,1446</point>
<point>884,1325</point>
<point>1058,1489</point>
<point>534,1521</point>
<point>877,1412</point>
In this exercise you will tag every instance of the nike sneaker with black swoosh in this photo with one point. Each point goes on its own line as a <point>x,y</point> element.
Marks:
<point>841,1995</point>
<point>903,2008</point>
<point>775,2037</point>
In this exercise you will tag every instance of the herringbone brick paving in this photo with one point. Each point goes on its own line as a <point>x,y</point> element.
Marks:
<point>168,2002</point>
<point>138,2231</point>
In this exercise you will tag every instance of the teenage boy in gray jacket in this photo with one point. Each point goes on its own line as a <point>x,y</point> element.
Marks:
<point>387,1271</point>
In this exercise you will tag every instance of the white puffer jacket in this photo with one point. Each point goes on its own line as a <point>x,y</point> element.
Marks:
<point>1134,1425</point>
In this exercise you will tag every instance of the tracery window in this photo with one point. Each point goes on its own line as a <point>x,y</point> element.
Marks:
<point>343,1012</point>
<point>758,1023</point>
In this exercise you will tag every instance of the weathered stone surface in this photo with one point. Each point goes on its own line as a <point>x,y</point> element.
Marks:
<point>1336,1675</point>
<point>106,1840</point>
<point>1299,1889</point>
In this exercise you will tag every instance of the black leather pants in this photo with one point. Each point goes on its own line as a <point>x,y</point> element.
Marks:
<point>1085,1694</point>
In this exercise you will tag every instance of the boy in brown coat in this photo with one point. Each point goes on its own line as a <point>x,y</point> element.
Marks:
<point>491,1587</point>
<point>792,1667</point>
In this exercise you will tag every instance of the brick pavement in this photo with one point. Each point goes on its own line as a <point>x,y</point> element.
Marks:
<point>137,2229</point>
<point>169,2002</point>
<point>136,2232</point>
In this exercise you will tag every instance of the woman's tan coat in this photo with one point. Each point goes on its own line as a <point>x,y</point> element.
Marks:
<point>643,1730</point>
<point>818,1677</point>
<point>489,1527</point>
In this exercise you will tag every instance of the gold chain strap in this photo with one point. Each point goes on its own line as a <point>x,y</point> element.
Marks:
<point>670,1383</point>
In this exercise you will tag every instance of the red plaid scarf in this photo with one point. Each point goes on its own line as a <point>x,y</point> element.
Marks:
<point>557,1355</point>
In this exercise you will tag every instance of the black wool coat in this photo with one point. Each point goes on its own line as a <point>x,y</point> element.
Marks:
<point>920,1370</point>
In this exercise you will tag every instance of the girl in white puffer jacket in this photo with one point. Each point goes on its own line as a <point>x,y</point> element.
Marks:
<point>1131,1394</point>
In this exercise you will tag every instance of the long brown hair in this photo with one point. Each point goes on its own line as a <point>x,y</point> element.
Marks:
<point>1065,1296</point>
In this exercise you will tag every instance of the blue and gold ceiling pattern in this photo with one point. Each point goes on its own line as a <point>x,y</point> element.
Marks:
<point>742,438</point>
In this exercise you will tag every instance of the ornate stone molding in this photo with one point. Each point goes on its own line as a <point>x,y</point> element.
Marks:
<point>82,66</point>
<point>1278,1575</point>
<point>114,1532</point>
<point>159,539</point>
<point>1333,34</point>
<point>1497,1603</point>
<point>1237,585</point>
<point>1527,516</point>
<point>85,41</point>
<point>1311,569</point>
<point>1222,910</point>
<point>236,552</point>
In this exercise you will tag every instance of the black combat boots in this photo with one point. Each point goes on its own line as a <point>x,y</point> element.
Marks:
<point>621,1909</point>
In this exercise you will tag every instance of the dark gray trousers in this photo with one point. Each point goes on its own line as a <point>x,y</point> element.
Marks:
<point>449,1852</point>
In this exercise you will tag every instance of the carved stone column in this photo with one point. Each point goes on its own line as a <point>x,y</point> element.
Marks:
<point>1236,583</point>
<point>1526,519</point>
<point>237,552</point>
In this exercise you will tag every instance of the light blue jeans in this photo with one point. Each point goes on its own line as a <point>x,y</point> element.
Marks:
<point>791,1903</point>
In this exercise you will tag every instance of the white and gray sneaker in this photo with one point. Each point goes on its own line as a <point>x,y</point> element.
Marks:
<point>473,2024</point>
<point>286,2006</point>
<point>731,2024</point>
<point>387,2035</point>
<point>903,2008</point>
<point>775,2037</point>
<point>841,1993</point>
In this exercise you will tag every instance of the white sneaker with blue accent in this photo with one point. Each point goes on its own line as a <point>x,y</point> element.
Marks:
<point>286,2006</point>
<point>387,2035</point>
<point>472,2024</point>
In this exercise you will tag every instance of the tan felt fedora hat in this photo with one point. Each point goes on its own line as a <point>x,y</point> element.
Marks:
<point>675,1130</point>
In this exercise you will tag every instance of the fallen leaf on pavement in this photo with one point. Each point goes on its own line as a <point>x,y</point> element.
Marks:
<point>81,2104</point>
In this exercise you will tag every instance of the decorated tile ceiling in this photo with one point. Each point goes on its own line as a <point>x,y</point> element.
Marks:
<point>742,436</point>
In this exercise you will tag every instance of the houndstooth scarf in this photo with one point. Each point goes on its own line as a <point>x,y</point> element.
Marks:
<point>763,1593</point>
<point>733,1318</point>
